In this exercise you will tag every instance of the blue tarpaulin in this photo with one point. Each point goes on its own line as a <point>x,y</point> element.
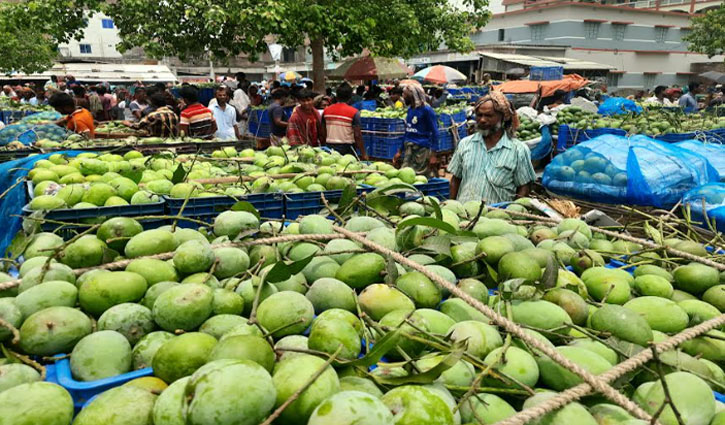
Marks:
<point>12,174</point>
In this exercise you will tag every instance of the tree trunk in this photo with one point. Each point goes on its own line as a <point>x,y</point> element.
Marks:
<point>318,64</point>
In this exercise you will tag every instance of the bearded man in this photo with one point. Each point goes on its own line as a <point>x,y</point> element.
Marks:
<point>491,165</point>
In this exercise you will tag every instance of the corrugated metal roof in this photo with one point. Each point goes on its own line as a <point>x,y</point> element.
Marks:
<point>574,64</point>
<point>519,59</point>
<point>98,72</point>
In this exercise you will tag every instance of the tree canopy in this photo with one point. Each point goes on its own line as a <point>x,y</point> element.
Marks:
<point>708,33</point>
<point>226,28</point>
<point>30,31</point>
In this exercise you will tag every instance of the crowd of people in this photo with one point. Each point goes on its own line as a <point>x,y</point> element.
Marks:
<point>686,97</point>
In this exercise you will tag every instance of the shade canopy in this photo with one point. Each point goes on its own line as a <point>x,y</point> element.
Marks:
<point>715,76</point>
<point>370,68</point>
<point>440,74</point>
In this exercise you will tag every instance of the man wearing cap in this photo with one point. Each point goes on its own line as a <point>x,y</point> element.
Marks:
<point>491,165</point>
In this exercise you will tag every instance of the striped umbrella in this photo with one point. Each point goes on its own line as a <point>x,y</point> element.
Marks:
<point>370,68</point>
<point>289,76</point>
<point>440,74</point>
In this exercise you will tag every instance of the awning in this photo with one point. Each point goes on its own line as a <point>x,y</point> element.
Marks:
<point>519,59</point>
<point>99,72</point>
<point>578,65</point>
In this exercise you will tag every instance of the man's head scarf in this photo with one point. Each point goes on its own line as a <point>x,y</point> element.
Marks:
<point>419,98</point>
<point>505,108</point>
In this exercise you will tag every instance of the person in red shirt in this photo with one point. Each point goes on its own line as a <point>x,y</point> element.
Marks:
<point>77,119</point>
<point>341,125</point>
<point>305,126</point>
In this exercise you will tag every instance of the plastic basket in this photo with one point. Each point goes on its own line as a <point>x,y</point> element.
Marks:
<point>269,205</point>
<point>80,391</point>
<point>570,136</point>
<point>437,187</point>
<point>306,203</point>
<point>546,73</point>
<point>384,125</point>
<point>445,141</point>
<point>383,147</point>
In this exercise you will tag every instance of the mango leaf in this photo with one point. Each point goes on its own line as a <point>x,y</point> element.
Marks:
<point>282,271</point>
<point>391,271</point>
<point>428,376</point>
<point>395,188</point>
<point>133,174</point>
<point>511,285</point>
<point>348,196</point>
<point>382,346</point>
<point>491,272</point>
<point>436,207</point>
<point>384,202</point>
<point>430,222</point>
<point>179,174</point>
<point>551,273</point>
<point>653,233</point>
<point>18,245</point>
<point>440,244</point>
<point>245,206</point>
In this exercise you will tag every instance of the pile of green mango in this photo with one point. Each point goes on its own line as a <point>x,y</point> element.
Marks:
<point>232,332</point>
<point>528,129</point>
<point>91,180</point>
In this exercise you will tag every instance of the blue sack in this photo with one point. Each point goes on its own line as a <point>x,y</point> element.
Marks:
<point>713,152</point>
<point>707,202</point>
<point>618,105</point>
<point>635,171</point>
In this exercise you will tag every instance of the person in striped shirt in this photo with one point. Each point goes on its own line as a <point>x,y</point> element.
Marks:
<point>491,165</point>
<point>196,119</point>
<point>341,125</point>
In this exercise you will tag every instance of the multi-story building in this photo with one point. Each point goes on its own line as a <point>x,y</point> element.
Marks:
<point>640,43</point>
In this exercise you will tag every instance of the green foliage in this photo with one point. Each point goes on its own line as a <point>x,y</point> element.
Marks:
<point>226,28</point>
<point>30,31</point>
<point>708,33</point>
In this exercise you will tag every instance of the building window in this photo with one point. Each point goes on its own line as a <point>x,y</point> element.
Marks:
<point>591,30</point>
<point>501,34</point>
<point>660,34</point>
<point>289,54</point>
<point>613,79</point>
<point>649,81</point>
<point>618,32</point>
<point>85,49</point>
<point>107,23</point>
<point>538,32</point>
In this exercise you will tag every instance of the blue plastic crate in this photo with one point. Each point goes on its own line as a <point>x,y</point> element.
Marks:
<point>71,215</point>
<point>81,392</point>
<point>383,147</point>
<point>383,125</point>
<point>445,141</point>
<point>306,203</point>
<point>570,136</point>
<point>546,73</point>
<point>269,205</point>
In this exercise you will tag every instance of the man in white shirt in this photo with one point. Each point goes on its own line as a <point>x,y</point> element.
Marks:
<point>659,97</point>
<point>225,116</point>
<point>241,99</point>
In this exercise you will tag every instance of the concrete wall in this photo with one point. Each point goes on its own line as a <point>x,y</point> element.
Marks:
<point>102,41</point>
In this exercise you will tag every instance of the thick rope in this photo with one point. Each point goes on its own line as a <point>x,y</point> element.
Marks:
<point>509,326</point>
<point>168,255</point>
<point>643,242</point>
<point>638,360</point>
